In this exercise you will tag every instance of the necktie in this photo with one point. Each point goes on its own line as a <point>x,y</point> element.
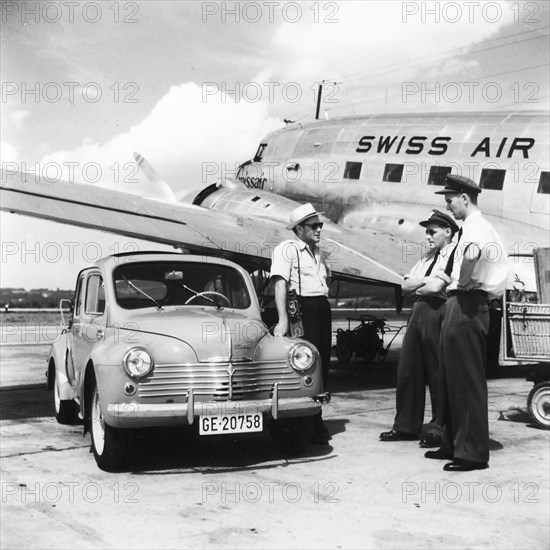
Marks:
<point>449,266</point>
<point>428,272</point>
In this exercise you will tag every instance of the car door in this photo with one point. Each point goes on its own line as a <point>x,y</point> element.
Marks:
<point>89,321</point>
<point>73,328</point>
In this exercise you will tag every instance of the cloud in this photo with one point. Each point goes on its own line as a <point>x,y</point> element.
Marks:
<point>187,132</point>
<point>18,116</point>
<point>373,42</point>
<point>8,153</point>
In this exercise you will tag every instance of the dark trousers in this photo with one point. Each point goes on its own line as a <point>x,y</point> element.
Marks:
<point>419,365</point>
<point>317,322</point>
<point>464,414</point>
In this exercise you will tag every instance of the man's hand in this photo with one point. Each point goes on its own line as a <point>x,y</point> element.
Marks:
<point>281,328</point>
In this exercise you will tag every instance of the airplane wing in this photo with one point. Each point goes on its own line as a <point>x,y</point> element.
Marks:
<point>247,239</point>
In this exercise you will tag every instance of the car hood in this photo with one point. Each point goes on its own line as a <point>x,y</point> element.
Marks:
<point>214,335</point>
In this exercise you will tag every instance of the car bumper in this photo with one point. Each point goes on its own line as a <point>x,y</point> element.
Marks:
<point>140,415</point>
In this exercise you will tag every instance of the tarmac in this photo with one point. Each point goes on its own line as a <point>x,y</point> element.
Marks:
<point>179,490</point>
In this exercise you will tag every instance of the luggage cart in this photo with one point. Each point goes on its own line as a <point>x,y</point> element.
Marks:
<point>525,339</point>
<point>366,340</point>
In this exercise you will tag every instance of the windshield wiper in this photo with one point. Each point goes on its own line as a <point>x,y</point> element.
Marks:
<point>159,307</point>
<point>197,293</point>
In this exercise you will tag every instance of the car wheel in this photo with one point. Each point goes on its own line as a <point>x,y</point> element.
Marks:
<point>292,435</point>
<point>538,404</point>
<point>108,443</point>
<point>66,410</point>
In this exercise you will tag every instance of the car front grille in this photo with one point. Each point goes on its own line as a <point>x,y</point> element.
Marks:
<point>219,381</point>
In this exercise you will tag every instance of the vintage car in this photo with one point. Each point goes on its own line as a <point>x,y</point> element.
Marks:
<point>169,339</point>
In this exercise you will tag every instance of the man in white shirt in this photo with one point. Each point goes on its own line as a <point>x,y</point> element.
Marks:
<point>418,360</point>
<point>475,274</point>
<point>299,264</point>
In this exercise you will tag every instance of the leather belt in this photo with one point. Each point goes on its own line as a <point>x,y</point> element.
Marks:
<point>474,292</point>
<point>432,300</point>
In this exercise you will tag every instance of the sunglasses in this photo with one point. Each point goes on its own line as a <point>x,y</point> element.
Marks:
<point>432,232</point>
<point>315,226</point>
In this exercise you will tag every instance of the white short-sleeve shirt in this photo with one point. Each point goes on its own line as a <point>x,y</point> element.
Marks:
<point>304,269</point>
<point>491,270</point>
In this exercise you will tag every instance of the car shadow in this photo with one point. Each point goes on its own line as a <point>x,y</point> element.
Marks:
<point>179,451</point>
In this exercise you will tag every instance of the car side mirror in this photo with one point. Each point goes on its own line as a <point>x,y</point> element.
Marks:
<point>65,304</point>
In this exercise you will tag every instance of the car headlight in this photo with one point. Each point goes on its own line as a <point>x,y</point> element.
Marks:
<point>301,357</point>
<point>137,362</point>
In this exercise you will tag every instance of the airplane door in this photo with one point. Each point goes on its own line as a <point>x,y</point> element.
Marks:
<point>89,322</point>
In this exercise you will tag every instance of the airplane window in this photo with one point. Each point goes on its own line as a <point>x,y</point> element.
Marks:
<point>352,170</point>
<point>254,199</point>
<point>260,152</point>
<point>438,174</point>
<point>393,172</point>
<point>492,178</point>
<point>544,183</point>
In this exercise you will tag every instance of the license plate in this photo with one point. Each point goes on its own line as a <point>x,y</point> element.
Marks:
<point>230,424</point>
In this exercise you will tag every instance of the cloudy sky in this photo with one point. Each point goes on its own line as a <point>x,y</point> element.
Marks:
<point>193,86</point>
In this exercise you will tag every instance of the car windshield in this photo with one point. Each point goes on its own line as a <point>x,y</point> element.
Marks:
<point>176,283</point>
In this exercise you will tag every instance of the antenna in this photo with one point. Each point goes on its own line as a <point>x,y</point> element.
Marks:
<point>319,95</point>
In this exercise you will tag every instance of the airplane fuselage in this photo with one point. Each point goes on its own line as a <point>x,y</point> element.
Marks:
<point>381,172</point>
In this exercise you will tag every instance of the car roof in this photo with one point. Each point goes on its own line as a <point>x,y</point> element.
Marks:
<point>109,262</point>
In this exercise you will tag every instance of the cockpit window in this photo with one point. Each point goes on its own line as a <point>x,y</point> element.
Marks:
<point>260,152</point>
<point>161,284</point>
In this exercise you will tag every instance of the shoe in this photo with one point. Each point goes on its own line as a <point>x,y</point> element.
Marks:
<point>319,440</point>
<point>438,455</point>
<point>464,466</point>
<point>394,435</point>
<point>431,440</point>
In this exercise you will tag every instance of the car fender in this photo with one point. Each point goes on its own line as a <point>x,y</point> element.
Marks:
<point>57,372</point>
